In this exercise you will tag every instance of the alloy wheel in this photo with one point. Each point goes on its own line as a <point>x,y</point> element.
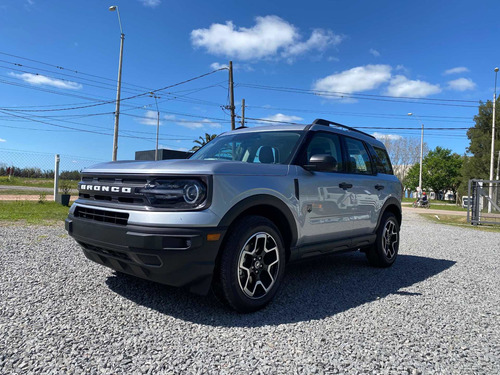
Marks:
<point>390,239</point>
<point>258,265</point>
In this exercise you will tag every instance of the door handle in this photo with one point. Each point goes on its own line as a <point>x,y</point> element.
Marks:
<point>379,187</point>
<point>345,185</point>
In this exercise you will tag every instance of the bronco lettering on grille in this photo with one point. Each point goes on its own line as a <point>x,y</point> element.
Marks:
<point>104,188</point>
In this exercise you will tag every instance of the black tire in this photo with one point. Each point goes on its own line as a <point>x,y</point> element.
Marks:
<point>385,250</point>
<point>252,265</point>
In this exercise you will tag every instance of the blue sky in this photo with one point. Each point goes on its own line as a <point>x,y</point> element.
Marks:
<point>362,63</point>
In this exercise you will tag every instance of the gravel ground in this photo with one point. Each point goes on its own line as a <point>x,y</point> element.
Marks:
<point>436,311</point>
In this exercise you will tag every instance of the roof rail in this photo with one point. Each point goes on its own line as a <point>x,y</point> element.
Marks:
<point>320,121</point>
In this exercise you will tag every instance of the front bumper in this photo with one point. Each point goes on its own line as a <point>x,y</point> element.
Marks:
<point>172,256</point>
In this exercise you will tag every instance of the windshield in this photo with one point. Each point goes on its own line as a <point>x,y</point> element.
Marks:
<point>270,147</point>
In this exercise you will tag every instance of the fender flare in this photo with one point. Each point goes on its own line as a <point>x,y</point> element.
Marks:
<point>391,201</point>
<point>259,200</point>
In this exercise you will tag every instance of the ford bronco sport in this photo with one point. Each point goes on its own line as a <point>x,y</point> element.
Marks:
<point>237,211</point>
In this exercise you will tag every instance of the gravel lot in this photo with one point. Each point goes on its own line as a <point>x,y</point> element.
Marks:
<point>435,311</point>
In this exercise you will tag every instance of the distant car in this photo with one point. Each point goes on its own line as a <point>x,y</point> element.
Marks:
<point>237,211</point>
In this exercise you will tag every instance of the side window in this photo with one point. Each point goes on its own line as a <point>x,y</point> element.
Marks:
<point>359,160</point>
<point>385,164</point>
<point>324,143</point>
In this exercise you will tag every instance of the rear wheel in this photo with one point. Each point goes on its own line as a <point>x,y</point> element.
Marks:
<point>385,250</point>
<point>252,264</point>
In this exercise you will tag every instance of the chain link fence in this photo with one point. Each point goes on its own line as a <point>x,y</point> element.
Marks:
<point>30,175</point>
<point>483,202</point>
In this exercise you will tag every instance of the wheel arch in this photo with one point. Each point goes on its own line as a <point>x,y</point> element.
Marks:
<point>391,205</point>
<point>269,207</point>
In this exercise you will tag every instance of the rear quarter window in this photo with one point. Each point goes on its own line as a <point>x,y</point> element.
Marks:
<point>383,163</point>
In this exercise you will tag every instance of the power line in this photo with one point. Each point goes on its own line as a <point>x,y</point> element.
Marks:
<point>113,101</point>
<point>384,98</point>
<point>65,80</point>
<point>70,70</point>
<point>355,114</point>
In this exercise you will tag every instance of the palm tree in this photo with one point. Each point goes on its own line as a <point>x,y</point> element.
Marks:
<point>203,141</point>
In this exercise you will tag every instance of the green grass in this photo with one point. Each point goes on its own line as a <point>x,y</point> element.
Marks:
<point>32,212</point>
<point>460,221</point>
<point>447,207</point>
<point>25,192</point>
<point>36,182</point>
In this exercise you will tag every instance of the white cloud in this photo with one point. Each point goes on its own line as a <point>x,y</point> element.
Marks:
<point>150,3</point>
<point>457,70</point>
<point>190,125</point>
<point>280,117</point>
<point>2,140</point>
<point>242,67</point>
<point>391,137</point>
<point>199,124</point>
<point>361,78</point>
<point>217,65</point>
<point>374,52</point>
<point>211,124</point>
<point>271,36</point>
<point>150,118</point>
<point>461,84</point>
<point>402,86</point>
<point>319,40</point>
<point>333,59</point>
<point>41,80</point>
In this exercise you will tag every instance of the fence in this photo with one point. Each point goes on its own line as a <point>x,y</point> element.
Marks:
<point>484,202</point>
<point>24,174</point>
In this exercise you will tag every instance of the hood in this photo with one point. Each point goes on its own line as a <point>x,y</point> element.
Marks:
<point>188,167</point>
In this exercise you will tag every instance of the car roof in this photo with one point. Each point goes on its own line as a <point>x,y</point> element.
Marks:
<point>316,125</point>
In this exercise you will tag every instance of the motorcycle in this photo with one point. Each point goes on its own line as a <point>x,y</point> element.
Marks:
<point>421,203</point>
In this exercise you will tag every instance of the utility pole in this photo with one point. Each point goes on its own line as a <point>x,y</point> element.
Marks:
<point>152,94</point>
<point>231,95</point>
<point>119,85</point>
<point>498,165</point>
<point>492,142</point>
<point>242,112</point>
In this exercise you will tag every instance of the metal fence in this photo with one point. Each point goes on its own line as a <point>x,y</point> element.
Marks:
<point>484,202</point>
<point>24,174</point>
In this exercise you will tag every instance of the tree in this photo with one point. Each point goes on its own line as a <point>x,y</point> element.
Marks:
<point>203,141</point>
<point>478,164</point>
<point>441,171</point>
<point>403,152</point>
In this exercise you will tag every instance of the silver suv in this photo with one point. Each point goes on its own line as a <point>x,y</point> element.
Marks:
<point>236,212</point>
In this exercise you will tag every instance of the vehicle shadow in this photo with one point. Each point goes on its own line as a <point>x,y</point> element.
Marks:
<point>312,289</point>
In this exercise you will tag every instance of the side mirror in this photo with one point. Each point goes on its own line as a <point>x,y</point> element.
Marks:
<point>321,163</point>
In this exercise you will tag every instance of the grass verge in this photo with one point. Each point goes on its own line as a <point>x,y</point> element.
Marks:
<point>460,221</point>
<point>32,212</point>
<point>35,182</point>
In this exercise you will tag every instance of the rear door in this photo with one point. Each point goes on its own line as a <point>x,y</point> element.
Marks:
<point>369,190</point>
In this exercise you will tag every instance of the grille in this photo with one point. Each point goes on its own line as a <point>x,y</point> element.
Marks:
<point>114,197</point>
<point>102,215</point>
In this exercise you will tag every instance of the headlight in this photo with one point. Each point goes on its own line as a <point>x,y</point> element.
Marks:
<point>180,194</point>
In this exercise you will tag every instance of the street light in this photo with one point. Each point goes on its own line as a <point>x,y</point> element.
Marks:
<point>421,154</point>
<point>492,159</point>
<point>119,85</point>
<point>151,94</point>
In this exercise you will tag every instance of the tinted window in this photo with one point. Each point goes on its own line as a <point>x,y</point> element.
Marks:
<point>270,147</point>
<point>384,164</point>
<point>359,160</point>
<point>329,144</point>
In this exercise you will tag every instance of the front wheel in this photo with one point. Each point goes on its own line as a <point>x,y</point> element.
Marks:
<point>385,250</point>
<point>252,264</point>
